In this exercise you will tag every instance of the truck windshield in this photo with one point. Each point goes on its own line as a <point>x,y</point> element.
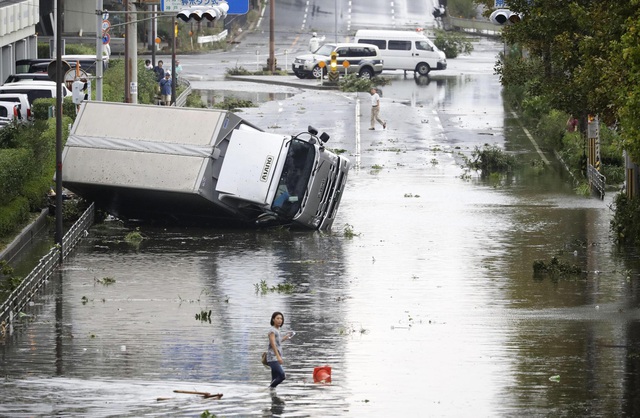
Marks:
<point>294,179</point>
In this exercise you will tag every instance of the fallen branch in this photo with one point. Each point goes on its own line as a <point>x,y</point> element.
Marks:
<point>205,395</point>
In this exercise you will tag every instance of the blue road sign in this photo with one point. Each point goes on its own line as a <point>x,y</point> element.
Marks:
<point>236,7</point>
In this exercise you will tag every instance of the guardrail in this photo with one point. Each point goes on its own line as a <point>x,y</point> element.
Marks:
<point>212,38</point>
<point>597,180</point>
<point>28,288</point>
<point>181,100</point>
<point>470,25</point>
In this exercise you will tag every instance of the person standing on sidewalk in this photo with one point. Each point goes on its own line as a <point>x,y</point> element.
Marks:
<point>375,110</point>
<point>274,352</point>
<point>165,89</point>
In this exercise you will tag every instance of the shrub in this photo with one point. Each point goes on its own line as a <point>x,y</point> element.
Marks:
<point>12,214</point>
<point>452,43</point>
<point>491,159</point>
<point>551,128</point>
<point>625,224</point>
<point>14,170</point>
<point>351,82</point>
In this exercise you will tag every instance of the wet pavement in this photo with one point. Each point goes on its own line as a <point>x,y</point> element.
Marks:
<point>428,307</point>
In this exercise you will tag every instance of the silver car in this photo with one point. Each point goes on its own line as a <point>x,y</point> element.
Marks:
<point>363,59</point>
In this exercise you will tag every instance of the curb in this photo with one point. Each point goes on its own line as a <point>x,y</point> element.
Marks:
<point>274,80</point>
<point>25,237</point>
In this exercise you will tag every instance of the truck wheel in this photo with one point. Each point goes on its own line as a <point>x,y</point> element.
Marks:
<point>366,73</point>
<point>317,72</point>
<point>423,68</point>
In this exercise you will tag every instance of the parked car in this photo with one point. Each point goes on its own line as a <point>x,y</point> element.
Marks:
<point>363,59</point>
<point>42,76</point>
<point>9,111</point>
<point>34,89</point>
<point>21,99</point>
<point>87,63</point>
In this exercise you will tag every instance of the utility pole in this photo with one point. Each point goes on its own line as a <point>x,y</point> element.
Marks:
<point>174,76</point>
<point>271,62</point>
<point>99,56</point>
<point>127,97</point>
<point>59,78</point>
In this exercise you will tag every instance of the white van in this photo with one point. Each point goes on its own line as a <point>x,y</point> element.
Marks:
<point>404,50</point>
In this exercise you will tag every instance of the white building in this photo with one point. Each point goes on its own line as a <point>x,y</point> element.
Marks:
<point>18,39</point>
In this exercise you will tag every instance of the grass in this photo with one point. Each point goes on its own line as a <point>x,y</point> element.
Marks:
<point>263,288</point>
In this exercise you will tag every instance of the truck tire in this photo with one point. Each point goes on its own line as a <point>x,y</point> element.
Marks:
<point>423,68</point>
<point>366,73</point>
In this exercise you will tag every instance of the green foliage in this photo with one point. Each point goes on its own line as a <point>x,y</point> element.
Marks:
<point>351,82</point>
<point>466,9</point>
<point>40,108</point>
<point>491,159</point>
<point>113,86</point>
<point>551,128</point>
<point>263,288</point>
<point>15,166</point>
<point>238,70</point>
<point>555,269</point>
<point>452,43</point>
<point>14,213</point>
<point>625,224</point>
<point>194,100</point>
<point>535,107</point>
<point>233,104</point>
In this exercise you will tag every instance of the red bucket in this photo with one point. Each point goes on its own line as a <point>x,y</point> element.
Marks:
<point>322,374</point>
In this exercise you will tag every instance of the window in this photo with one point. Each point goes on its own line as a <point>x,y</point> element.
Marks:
<point>355,51</point>
<point>400,45</point>
<point>423,46</point>
<point>381,44</point>
<point>3,112</point>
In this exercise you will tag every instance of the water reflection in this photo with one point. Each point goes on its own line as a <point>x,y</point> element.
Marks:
<point>213,97</point>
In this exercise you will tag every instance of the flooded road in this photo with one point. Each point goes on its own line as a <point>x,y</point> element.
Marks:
<point>422,299</point>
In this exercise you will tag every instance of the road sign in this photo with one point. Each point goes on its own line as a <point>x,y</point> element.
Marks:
<point>105,15</point>
<point>105,39</point>
<point>106,25</point>
<point>236,7</point>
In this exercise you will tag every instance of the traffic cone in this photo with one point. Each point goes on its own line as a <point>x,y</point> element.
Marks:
<point>322,374</point>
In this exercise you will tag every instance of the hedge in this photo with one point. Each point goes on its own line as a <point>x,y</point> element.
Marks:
<point>15,213</point>
<point>15,167</point>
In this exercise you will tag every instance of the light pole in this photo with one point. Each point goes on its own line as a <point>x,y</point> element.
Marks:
<point>335,12</point>
<point>271,62</point>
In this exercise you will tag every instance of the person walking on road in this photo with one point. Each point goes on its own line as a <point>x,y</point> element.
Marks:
<point>274,352</point>
<point>165,89</point>
<point>314,42</point>
<point>375,110</point>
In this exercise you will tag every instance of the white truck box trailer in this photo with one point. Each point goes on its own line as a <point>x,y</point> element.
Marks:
<point>200,167</point>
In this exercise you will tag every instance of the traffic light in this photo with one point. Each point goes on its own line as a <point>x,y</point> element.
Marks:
<point>333,65</point>
<point>505,16</point>
<point>210,13</point>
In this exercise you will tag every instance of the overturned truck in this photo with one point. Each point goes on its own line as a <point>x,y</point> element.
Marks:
<point>200,167</point>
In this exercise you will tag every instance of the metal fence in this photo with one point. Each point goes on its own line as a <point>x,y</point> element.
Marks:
<point>28,288</point>
<point>597,180</point>
<point>181,100</point>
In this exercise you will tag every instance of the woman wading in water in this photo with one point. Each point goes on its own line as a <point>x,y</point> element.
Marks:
<point>274,352</point>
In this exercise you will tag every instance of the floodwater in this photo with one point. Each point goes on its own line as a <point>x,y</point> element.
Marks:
<point>428,307</point>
